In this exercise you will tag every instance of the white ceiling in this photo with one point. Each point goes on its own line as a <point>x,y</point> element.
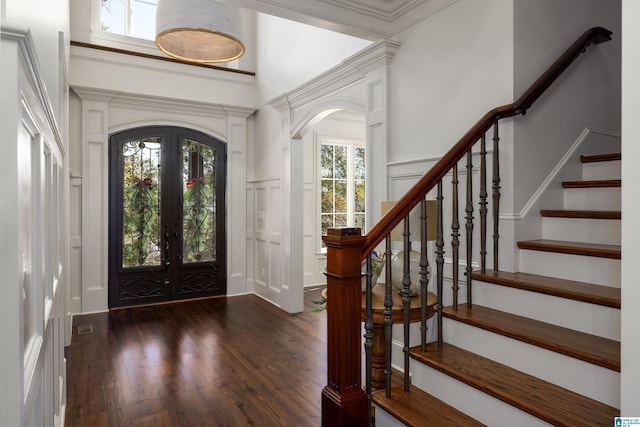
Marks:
<point>370,19</point>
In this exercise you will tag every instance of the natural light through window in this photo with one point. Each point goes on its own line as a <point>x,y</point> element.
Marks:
<point>342,182</point>
<point>134,18</point>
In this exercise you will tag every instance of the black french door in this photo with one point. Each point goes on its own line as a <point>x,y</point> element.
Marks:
<point>166,216</point>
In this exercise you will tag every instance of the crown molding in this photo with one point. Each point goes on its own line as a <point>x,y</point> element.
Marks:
<point>368,19</point>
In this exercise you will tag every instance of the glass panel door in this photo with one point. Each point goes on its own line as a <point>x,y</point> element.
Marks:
<point>141,243</point>
<point>199,202</point>
<point>167,234</point>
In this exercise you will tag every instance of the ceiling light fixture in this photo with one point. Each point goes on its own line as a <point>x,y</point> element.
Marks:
<point>202,31</point>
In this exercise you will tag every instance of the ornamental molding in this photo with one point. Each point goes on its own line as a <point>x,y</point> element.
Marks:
<point>345,74</point>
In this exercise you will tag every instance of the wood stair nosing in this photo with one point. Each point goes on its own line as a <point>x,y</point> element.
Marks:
<point>580,214</point>
<point>601,183</point>
<point>593,158</point>
<point>574,248</point>
<point>418,408</point>
<point>544,400</point>
<point>607,296</point>
<point>593,349</point>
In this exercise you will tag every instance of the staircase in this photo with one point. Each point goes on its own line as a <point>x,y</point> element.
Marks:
<point>540,346</point>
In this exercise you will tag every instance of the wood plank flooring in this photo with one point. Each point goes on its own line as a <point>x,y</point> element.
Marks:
<point>235,361</point>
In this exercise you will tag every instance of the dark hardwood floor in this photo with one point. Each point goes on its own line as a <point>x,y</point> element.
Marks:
<point>235,361</point>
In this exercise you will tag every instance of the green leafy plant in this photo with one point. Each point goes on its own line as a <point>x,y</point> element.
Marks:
<point>321,303</point>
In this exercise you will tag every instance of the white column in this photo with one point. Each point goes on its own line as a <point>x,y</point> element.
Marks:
<point>292,299</point>
<point>236,203</point>
<point>630,317</point>
<point>95,203</point>
<point>376,162</point>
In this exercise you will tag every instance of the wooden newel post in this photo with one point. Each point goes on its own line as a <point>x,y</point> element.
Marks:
<point>344,403</point>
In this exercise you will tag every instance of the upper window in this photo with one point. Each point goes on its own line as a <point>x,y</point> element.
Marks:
<point>342,182</point>
<point>134,18</point>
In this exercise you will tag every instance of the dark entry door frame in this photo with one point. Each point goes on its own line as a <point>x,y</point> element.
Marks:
<point>172,246</point>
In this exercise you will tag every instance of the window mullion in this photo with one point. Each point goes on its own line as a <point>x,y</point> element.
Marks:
<point>128,17</point>
<point>350,186</point>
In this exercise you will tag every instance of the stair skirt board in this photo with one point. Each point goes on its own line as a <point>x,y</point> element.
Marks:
<point>582,230</point>
<point>592,198</point>
<point>599,271</point>
<point>481,406</point>
<point>593,381</point>
<point>577,315</point>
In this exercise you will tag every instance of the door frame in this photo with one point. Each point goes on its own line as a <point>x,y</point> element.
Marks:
<point>101,111</point>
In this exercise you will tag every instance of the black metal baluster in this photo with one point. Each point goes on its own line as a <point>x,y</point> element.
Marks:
<point>483,205</point>
<point>368,335</point>
<point>388,319</point>
<point>469,225</point>
<point>496,194</point>
<point>406,298</point>
<point>424,275</point>
<point>455,236</point>
<point>439,262</point>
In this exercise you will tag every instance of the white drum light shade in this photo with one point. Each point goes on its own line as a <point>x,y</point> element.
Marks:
<point>202,31</point>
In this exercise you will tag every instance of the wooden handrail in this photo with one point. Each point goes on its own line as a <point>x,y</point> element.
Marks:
<point>388,222</point>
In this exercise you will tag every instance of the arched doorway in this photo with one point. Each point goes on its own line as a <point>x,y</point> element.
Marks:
<point>334,180</point>
<point>358,84</point>
<point>166,215</point>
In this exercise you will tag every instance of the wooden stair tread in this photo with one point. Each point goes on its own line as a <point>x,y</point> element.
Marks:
<point>575,248</point>
<point>581,214</point>
<point>601,183</point>
<point>589,348</point>
<point>549,402</point>
<point>417,408</point>
<point>593,158</point>
<point>607,296</point>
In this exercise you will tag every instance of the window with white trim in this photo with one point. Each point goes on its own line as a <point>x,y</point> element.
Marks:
<point>133,18</point>
<point>342,184</point>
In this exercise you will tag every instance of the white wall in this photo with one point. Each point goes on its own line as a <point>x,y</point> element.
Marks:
<point>586,95</point>
<point>630,404</point>
<point>451,69</point>
<point>33,53</point>
<point>47,21</point>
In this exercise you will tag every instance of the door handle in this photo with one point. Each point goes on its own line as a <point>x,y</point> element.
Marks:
<point>167,260</point>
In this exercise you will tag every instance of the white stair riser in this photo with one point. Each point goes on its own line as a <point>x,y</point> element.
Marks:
<point>593,381</point>
<point>604,199</point>
<point>384,419</point>
<point>600,271</point>
<point>603,231</point>
<point>584,317</point>
<point>481,406</point>
<point>601,170</point>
